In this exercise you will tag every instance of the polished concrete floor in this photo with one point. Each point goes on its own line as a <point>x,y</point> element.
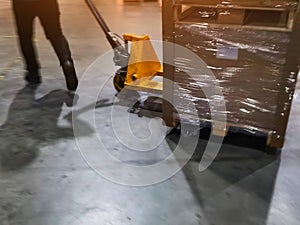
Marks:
<point>45,179</point>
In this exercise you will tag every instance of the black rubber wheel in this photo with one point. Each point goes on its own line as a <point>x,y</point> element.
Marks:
<point>119,79</point>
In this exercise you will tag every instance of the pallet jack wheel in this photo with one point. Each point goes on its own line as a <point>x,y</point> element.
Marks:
<point>119,79</point>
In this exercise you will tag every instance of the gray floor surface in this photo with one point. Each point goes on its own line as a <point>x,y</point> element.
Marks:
<point>52,177</point>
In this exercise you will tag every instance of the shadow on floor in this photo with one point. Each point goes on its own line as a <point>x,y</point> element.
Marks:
<point>125,98</point>
<point>30,123</point>
<point>237,187</point>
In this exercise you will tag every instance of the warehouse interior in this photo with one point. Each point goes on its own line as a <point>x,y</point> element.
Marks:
<point>53,147</point>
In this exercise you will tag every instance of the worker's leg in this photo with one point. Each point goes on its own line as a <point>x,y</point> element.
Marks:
<point>50,20</point>
<point>24,17</point>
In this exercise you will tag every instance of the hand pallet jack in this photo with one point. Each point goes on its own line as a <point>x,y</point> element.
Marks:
<point>138,67</point>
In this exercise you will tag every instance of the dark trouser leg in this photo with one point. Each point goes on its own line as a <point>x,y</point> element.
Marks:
<point>50,20</point>
<point>24,16</point>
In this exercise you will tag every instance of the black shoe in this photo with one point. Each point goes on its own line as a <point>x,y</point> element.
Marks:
<point>33,77</point>
<point>71,99</point>
<point>70,75</point>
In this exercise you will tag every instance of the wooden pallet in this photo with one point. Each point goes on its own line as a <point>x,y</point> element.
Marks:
<point>260,17</point>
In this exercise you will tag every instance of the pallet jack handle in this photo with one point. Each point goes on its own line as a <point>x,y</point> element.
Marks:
<point>121,52</point>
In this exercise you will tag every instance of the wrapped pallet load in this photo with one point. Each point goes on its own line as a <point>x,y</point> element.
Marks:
<point>251,48</point>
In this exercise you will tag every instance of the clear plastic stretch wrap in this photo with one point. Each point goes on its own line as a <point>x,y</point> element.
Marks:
<point>254,3</point>
<point>247,63</point>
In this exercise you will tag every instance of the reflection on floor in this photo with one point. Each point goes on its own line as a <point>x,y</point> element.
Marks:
<point>45,179</point>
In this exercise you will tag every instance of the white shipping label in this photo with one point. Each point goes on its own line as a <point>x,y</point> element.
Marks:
<point>227,52</point>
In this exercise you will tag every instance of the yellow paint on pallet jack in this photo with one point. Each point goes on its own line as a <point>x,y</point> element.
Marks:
<point>143,61</point>
<point>147,84</point>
